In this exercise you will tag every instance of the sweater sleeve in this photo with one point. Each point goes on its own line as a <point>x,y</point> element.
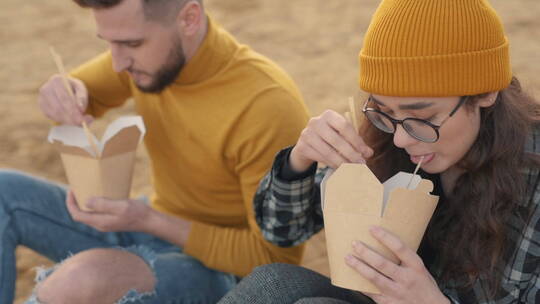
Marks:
<point>273,121</point>
<point>106,88</point>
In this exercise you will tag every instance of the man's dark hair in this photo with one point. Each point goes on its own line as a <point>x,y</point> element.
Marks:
<point>155,10</point>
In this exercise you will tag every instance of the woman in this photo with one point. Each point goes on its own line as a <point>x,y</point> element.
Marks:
<point>440,89</point>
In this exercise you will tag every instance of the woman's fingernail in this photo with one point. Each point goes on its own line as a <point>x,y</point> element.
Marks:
<point>357,244</point>
<point>375,230</point>
<point>368,153</point>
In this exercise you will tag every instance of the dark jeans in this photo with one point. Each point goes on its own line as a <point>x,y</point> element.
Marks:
<point>288,284</point>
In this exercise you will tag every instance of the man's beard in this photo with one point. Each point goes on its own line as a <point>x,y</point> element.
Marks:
<point>167,73</point>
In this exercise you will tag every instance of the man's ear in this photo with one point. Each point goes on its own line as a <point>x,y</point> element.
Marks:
<point>488,100</point>
<point>190,18</point>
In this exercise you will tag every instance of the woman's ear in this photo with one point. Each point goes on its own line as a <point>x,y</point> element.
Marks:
<point>488,100</point>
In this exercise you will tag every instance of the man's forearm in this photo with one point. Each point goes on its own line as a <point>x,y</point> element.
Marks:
<point>169,228</point>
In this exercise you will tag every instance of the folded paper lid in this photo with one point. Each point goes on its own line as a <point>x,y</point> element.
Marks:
<point>122,135</point>
<point>354,188</point>
<point>327,175</point>
<point>125,140</point>
<point>72,140</point>
<point>124,122</point>
<point>350,185</point>
<point>72,150</point>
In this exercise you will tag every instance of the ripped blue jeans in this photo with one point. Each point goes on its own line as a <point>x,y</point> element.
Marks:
<point>33,213</point>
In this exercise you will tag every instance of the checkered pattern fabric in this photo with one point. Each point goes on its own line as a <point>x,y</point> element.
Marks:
<point>289,213</point>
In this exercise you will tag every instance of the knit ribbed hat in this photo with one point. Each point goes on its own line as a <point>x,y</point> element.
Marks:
<point>432,48</point>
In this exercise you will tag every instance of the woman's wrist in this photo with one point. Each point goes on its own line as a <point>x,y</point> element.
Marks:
<point>298,163</point>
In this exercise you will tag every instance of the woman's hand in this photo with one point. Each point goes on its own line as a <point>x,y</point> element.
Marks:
<point>329,139</point>
<point>407,282</point>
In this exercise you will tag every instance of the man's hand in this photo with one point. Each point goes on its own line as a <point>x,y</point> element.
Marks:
<point>406,282</point>
<point>56,103</point>
<point>111,215</point>
<point>130,215</point>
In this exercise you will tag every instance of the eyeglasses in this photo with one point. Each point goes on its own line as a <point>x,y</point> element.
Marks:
<point>420,129</point>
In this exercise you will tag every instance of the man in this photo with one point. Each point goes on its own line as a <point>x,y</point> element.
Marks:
<point>215,111</point>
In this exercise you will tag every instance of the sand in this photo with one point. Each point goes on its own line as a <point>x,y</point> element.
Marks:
<point>316,41</point>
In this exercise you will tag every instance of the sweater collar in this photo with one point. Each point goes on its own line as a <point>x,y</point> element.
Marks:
<point>216,50</point>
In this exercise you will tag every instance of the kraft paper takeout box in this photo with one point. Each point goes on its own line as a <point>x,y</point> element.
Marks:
<point>108,174</point>
<point>354,200</point>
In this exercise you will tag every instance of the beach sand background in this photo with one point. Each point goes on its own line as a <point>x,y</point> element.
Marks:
<point>316,41</point>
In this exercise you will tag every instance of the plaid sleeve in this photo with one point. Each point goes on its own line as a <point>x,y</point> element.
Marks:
<point>288,212</point>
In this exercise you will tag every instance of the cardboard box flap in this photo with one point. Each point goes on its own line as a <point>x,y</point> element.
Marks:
<point>122,135</point>
<point>410,205</point>
<point>400,180</point>
<point>121,123</point>
<point>327,175</point>
<point>124,141</point>
<point>60,147</point>
<point>70,139</point>
<point>354,188</point>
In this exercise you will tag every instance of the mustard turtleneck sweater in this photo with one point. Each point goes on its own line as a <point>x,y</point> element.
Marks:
<point>211,137</point>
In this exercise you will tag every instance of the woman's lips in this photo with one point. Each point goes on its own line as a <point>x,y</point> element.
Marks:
<point>427,158</point>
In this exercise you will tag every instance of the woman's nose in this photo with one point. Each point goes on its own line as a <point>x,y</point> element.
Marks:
<point>402,139</point>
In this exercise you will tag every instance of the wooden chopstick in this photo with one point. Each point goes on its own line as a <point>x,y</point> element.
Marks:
<point>60,66</point>
<point>415,171</point>
<point>352,117</point>
<point>348,116</point>
<point>354,114</point>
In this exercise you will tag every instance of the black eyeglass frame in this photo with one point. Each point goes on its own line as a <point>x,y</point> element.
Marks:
<point>396,122</point>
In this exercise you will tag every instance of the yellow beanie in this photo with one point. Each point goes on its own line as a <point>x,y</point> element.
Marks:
<point>432,48</point>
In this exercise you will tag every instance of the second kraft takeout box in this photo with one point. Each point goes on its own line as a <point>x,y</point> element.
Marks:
<point>354,200</point>
<point>108,174</point>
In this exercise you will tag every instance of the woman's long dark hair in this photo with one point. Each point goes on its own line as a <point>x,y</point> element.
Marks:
<point>484,196</point>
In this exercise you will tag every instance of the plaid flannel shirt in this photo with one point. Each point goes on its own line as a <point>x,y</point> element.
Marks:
<point>289,213</point>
